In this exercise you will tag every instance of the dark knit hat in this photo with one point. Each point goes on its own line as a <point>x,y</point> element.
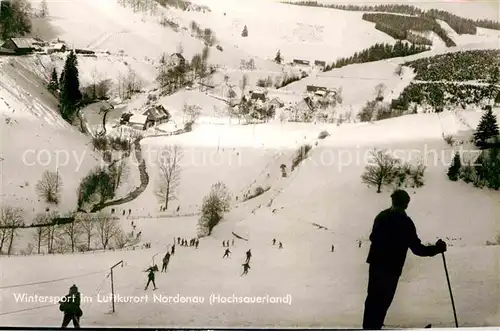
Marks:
<point>400,198</point>
<point>73,288</point>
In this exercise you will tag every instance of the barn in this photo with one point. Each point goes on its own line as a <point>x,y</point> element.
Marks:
<point>19,46</point>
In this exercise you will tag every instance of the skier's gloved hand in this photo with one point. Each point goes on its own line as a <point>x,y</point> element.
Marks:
<point>440,246</point>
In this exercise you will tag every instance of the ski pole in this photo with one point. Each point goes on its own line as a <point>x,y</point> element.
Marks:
<point>449,288</point>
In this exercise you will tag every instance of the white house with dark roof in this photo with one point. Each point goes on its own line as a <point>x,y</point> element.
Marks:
<point>20,45</point>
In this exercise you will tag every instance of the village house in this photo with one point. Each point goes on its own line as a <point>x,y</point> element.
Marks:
<point>156,115</point>
<point>304,110</point>
<point>19,46</point>
<point>321,64</point>
<point>258,95</point>
<point>275,103</point>
<point>176,59</point>
<point>314,88</point>
<point>138,122</point>
<point>301,62</point>
<point>56,48</point>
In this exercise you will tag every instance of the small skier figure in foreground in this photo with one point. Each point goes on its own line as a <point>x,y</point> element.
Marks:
<point>280,246</point>
<point>249,255</point>
<point>70,306</point>
<point>226,253</point>
<point>274,241</point>
<point>151,277</point>
<point>392,234</point>
<point>246,266</point>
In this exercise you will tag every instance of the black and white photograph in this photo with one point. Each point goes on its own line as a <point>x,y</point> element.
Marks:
<point>250,164</point>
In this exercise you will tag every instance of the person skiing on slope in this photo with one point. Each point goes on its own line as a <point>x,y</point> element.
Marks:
<point>226,253</point>
<point>392,234</point>
<point>274,241</point>
<point>70,306</point>
<point>280,246</point>
<point>166,259</point>
<point>173,250</point>
<point>246,266</point>
<point>197,242</point>
<point>333,248</point>
<point>249,255</point>
<point>151,277</point>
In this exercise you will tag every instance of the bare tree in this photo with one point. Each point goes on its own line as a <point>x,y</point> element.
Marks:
<point>399,70</point>
<point>72,231</point>
<point>379,91</point>
<point>215,204</point>
<point>118,172</point>
<point>243,84</point>
<point>191,113</point>
<point>11,218</point>
<point>382,170</point>
<point>38,235</point>
<point>169,174</point>
<point>107,228</point>
<point>49,187</point>
<point>88,225</point>
<point>44,9</point>
<point>122,240</point>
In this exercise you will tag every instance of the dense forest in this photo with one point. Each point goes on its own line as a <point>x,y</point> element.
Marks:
<point>398,26</point>
<point>15,18</point>
<point>478,65</point>
<point>439,95</point>
<point>460,24</point>
<point>378,52</point>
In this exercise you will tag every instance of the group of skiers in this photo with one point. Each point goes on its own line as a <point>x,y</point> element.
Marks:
<point>226,243</point>
<point>185,243</point>
<point>393,233</point>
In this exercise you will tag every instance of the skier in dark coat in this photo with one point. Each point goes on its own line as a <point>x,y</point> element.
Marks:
<point>197,242</point>
<point>226,253</point>
<point>392,234</point>
<point>246,266</point>
<point>166,259</point>
<point>173,250</point>
<point>274,241</point>
<point>333,248</point>
<point>249,255</point>
<point>151,276</point>
<point>281,245</point>
<point>70,306</point>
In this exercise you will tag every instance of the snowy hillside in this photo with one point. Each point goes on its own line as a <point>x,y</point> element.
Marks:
<point>318,209</point>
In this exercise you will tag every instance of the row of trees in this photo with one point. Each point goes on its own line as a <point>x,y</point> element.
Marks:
<point>477,65</point>
<point>442,95</point>
<point>397,25</point>
<point>385,170</point>
<point>172,77</point>
<point>460,24</point>
<point>379,52</point>
<point>485,172</point>
<point>206,34</point>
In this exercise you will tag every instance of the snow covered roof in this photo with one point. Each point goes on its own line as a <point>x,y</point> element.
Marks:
<point>23,42</point>
<point>138,119</point>
<point>156,113</point>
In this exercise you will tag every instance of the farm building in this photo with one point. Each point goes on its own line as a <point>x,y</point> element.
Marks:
<point>156,115</point>
<point>321,64</point>
<point>19,46</point>
<point>176,59</point>
<point>314,89</point>
<point>258,95</point>
<point>301,62</point>
<point>275,103</point>
<point>56,48</point>
<point>138,122</point>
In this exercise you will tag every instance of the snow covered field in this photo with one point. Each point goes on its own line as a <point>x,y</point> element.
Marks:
<point>321,203</point>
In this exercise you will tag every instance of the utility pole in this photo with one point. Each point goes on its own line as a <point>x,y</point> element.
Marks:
<point>113,285</point>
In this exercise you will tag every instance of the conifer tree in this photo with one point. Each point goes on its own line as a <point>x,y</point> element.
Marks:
<point>244,33</point>
<point>54,82</point>
<point>277,59</point>
<point>69,84</point>
<point>454,169</point>
<point>487,128</point>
